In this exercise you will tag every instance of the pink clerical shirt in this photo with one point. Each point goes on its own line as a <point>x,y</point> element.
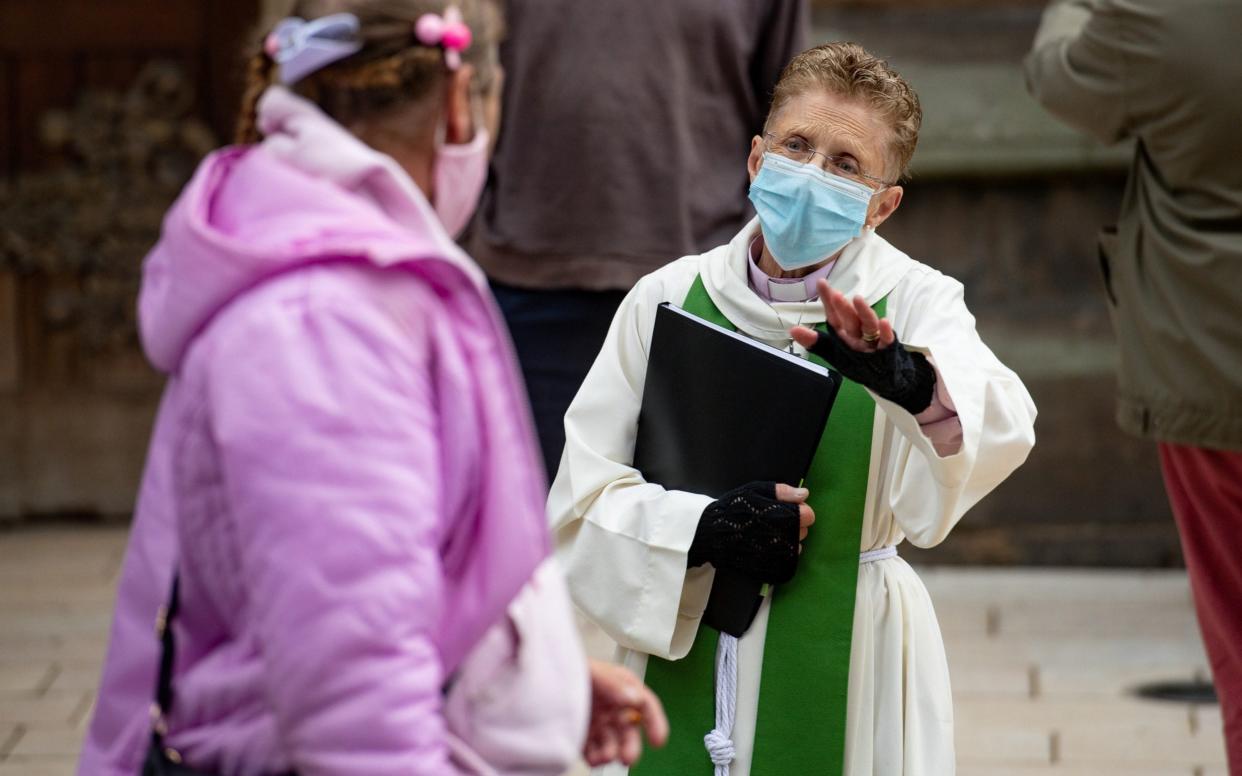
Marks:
<point>939,422</point>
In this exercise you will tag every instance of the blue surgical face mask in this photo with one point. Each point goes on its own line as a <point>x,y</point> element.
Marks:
<point>806,214</point>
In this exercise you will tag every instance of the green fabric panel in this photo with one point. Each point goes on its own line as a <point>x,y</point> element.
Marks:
<point>687,688</point>
<point>803,696</point>
<point>699,302</point>
<point>804,689</point>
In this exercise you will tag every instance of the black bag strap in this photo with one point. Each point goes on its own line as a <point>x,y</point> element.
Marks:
<point>162,760</point>
<point>168,647</point>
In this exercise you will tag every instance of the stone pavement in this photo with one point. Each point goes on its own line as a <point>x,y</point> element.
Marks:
<point>1042,662</point>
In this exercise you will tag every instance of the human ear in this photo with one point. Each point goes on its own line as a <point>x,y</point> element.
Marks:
<point>883,205</point>
<point>755,160</point>
<point>459,121</point>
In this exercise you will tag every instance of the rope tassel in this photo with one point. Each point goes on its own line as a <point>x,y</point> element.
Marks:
<point>719,741</point>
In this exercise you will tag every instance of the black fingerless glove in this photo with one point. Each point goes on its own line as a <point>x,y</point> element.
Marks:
<point>904,377</point>
<point>747,530</point>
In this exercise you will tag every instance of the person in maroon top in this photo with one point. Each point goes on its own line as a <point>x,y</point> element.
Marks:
<point>622,118</point>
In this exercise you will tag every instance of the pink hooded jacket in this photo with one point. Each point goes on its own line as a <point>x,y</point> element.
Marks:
<point>343,472</point>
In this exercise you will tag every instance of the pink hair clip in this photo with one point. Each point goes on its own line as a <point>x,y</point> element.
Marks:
<point>447,31</point>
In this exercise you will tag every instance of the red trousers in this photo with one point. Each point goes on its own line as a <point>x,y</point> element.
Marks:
<point>1205,490</point>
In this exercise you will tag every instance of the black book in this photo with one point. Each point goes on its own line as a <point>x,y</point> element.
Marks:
<point>720,410</point>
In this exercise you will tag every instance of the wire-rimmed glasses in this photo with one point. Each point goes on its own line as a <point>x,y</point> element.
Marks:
<point>795,148</point>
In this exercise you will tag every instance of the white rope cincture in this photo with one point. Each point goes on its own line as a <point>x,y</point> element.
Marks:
<point>719,741</point>
<point>871,556</point>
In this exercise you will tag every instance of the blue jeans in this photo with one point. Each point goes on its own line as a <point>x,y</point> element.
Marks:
<point>557,335</point>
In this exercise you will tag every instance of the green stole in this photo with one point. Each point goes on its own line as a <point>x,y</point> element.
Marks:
<point>806,659</point>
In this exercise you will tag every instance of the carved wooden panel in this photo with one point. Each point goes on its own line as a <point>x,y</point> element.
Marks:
<point>53,50</point>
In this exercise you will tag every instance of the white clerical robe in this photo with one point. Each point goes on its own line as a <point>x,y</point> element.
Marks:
<point>623,541</point>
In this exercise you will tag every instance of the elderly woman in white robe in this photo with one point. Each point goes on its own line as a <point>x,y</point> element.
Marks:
<point>853,673</point>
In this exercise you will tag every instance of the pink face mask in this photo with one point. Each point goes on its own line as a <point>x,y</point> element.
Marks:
<point>460,173</point>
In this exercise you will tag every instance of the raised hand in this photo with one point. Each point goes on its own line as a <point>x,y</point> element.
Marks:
<point>852,319</point>
<point>863,347</point>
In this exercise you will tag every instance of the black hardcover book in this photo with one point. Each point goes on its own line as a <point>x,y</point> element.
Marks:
<point>720,410</point>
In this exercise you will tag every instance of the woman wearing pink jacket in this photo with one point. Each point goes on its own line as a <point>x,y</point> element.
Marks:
<point>342,476</point>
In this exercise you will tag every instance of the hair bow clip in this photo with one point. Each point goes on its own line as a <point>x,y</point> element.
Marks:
<point>447,31</point>
<point>301,47</point>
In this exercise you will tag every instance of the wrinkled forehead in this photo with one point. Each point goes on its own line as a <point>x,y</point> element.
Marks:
<point>834,124</point>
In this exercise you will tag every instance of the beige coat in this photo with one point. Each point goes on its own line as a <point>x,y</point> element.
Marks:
<point>1168,74</point>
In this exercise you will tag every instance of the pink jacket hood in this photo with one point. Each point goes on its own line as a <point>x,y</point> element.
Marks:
<point>310,193</point>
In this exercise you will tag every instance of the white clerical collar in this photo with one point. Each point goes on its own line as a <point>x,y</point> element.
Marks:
<point>772,289</point>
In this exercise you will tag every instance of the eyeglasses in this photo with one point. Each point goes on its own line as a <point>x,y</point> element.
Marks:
<point>795,148</point>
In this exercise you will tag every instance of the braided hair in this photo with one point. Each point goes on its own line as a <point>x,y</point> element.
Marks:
<point>392,70</point>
